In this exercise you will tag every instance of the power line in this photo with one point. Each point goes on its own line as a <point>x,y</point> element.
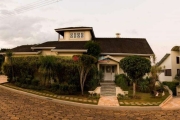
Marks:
<point>32,5</point>
<point>28,7</point>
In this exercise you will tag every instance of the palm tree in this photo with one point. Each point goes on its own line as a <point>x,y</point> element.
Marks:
<point>155,71</point>
<point>47,68</point>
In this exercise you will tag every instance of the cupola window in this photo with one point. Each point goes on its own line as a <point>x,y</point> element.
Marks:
<point>76,35</point>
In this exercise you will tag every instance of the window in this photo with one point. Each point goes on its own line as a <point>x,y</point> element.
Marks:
<point>71,35</point>
<point>178,72</point>
<point>76,35</point>
<point>177,60</point>
<point>167,72</point>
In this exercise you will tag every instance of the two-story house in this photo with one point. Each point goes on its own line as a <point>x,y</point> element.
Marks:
<point>170,65</point>
<point>72,40</point>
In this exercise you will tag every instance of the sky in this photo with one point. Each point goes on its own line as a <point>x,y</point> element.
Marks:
<point>156,20</point>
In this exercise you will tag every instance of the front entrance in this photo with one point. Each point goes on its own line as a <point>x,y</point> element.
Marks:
<point>109,72</point>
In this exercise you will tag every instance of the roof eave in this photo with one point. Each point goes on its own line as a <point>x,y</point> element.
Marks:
<point>23,53</point>
<point>127,54</point>
<point>69,50</point>
<point>33,48</point>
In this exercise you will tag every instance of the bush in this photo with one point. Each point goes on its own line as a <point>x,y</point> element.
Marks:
<point>35,82</point>
<point>18,84</point>
<point>28,81</point>
<point>65,89</point>
<point>24,86</point>
<point>143,85</point>
<point>54,87</point>
<point>72,89</point>
<point>122,97</point>
<point>122,80</point>
<point>172,86</point>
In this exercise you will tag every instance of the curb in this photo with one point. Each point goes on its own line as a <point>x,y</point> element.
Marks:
<point>166,100</point>
<point>131,108</point>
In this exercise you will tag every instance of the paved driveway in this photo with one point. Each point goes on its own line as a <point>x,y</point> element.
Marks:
<point>15,105</point>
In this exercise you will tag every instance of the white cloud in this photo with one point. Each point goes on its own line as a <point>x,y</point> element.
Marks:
<point>156,20</point>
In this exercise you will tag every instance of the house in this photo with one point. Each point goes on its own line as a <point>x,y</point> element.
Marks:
<point>170,64</point>
<point>71,41</point>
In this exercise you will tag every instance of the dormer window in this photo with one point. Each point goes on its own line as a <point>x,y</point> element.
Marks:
<point>76,35</point>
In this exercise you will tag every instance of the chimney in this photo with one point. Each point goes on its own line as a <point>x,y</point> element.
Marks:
<point>118,35</point>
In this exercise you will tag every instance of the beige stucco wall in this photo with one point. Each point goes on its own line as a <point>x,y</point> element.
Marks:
<point>112,62</point>
<point>174,64</point>
<point>87,35</point>
<point>68,54</point>
<point>48,52</point>
<point>167,65</point>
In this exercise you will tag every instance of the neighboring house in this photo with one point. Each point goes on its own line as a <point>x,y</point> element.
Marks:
<point>71,41</point>
<point>170,65</point>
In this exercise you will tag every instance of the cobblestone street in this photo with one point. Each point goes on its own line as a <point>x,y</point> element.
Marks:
<point>15,105</point>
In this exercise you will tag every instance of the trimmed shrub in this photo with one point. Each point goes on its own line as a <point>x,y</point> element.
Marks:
<point>172,86</point>
<point>122,80</point>
<point>143,85</point>
<point>35,82</point>
<point>54,87</point>
<point>72,89</point>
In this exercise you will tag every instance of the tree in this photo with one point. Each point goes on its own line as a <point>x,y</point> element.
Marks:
<point>47,65</point>
<point>155,71</point>
<point>135,67</point>
<point>93,48</point>
<point>84,64</point>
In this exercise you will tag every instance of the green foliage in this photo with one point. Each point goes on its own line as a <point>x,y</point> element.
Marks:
<point>65,88</point>
<point>135,66</point>
<point>143,85</point>
<point>172,86</point>
<point>93,48</point>
<point>84,64</point>
<point>122,97</point>
<point>122,80</point>
<point>28,74</point>
<point>35,82</point>
<point>47,67</point>
<point>54,87</point>
<point>1,62</point>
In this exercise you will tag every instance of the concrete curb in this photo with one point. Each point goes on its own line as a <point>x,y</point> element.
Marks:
<point>166,100</point>
<point>131,108</point>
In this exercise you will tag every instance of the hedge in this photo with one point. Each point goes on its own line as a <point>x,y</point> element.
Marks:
<point>24,72</point>
<point>172,86</point>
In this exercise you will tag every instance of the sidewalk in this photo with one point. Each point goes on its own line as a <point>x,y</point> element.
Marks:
<point>174,103</point>
<point>108,101</point>
<point>3,79</point>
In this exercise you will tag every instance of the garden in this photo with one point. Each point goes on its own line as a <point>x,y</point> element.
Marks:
<point>71,78</point>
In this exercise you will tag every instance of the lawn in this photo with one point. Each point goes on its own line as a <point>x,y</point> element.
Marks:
<point>86,98</point>
<point>143,98</point>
